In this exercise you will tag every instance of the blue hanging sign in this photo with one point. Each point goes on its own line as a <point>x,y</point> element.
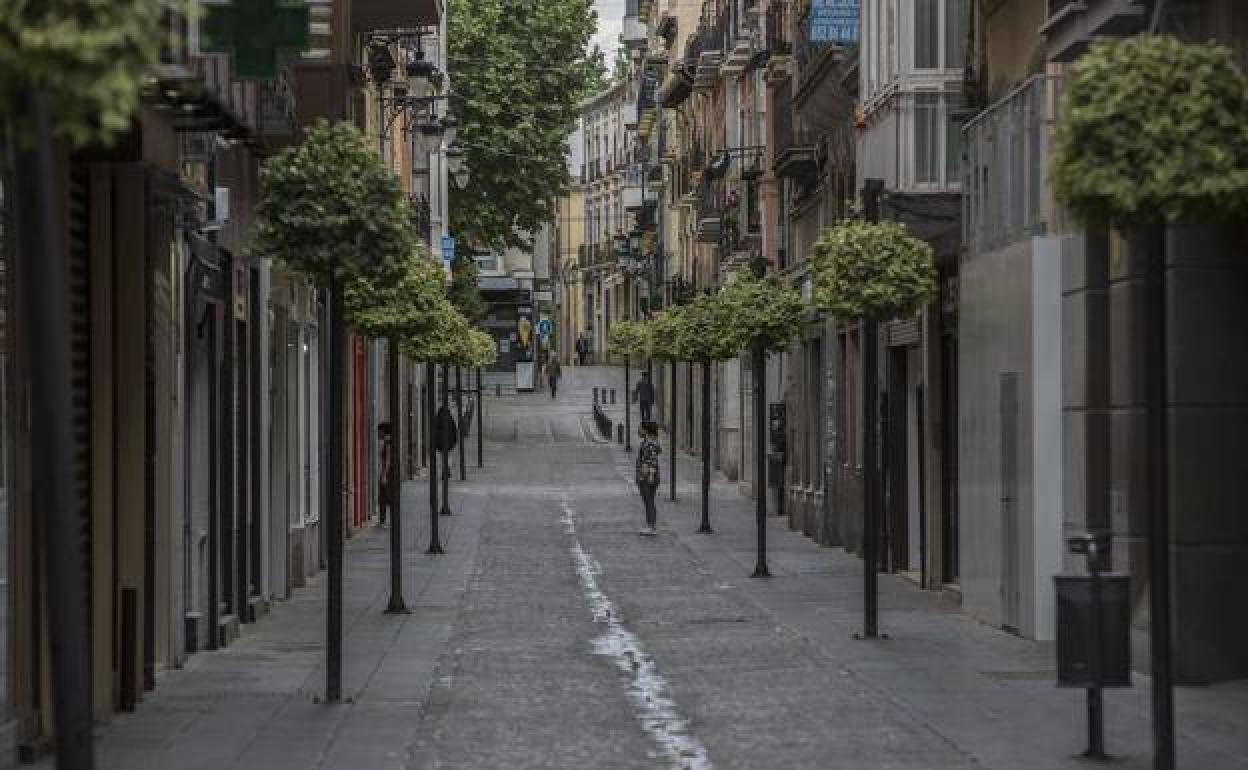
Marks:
<point>448,248</point>
<point>834,21</point>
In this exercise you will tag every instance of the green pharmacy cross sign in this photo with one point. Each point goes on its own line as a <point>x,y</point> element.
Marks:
<point>253,32</point>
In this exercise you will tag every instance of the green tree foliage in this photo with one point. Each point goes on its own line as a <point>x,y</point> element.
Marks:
<point>465,291</point>
<point>630,338</point>
<point>452,341</point>
<point>871,270</point>
<point>701,330</point>
<point>89,55</point>
<point>1153,128</point>
<point>329,205</point>
<point>661,329</point>
<point>762,309</point>
<point>407,309</point>
<point>519,71</point>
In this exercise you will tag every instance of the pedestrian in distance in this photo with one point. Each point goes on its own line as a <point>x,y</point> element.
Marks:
<point>644,394</point>
<point>582,350</point>
<point>648,472</point>
<point>385,502</point>
<point>553,372</point>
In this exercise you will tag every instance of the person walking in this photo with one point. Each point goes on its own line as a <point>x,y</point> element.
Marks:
<point>582,350</point>
<point>553,372</point>
<point>385,501</point>
<point>644,393</point>
<point>648,472</point>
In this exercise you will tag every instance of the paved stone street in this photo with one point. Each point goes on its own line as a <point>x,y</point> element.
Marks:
<point>551,635</point>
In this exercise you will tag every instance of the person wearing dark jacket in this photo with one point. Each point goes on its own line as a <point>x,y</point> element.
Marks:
<point>644,393</point>
<point>648,476</point>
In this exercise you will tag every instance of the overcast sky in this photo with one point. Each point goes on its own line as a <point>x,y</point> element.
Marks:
<point>610,15</point>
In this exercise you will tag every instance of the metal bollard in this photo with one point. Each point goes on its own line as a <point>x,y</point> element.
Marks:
<point>498,390</point>
<point>619,433</point>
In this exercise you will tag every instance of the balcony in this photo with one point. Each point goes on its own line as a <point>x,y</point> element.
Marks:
<point>370,15</point>
<point>634,34</point>
<point>1073,24</point>
<point>1005,191</point>
<point>710,210</point>
<point>676,87</point>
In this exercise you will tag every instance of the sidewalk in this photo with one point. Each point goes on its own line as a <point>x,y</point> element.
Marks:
<point>255,705</point>
<point>990,694</point>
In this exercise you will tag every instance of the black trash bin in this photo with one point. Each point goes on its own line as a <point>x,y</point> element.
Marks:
<point>1075,632</point>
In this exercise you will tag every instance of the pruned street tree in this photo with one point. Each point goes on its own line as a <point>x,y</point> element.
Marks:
<point>332,211</point>
<point>629,339</point>
<point>700,331</point>
<point>764,315</point>
<point>1153,131</point>
<point>397,311</point>
<point>870,272</point>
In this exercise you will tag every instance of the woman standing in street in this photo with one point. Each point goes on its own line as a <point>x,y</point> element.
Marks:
<point>648,472</point>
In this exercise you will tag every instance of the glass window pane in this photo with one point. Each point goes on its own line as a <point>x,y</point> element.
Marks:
<point>926,138</point>
<point>955,33</point>
<point>926,34</point>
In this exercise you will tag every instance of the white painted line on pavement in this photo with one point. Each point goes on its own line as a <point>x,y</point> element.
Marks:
<point>647,689</point>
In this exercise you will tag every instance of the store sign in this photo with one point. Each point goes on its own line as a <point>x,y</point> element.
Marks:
<point>834,21</point>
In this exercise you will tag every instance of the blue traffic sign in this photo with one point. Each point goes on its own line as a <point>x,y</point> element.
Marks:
<point>545,327</point>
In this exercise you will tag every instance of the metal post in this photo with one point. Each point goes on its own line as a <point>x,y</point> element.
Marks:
<point>459,416</point>
<point>480,421</point>
<point>446,455</point>
<point>43,283</point>
<point>628,421</point>
<point>1096,715</point>
<point>1153,241</point>
<point>424,433</point>
<point>759,356</point>
<point>396,604</point>
<point>705,527</point>
<point>333,615</point>
<point>871,485</point>
<point>870,444</point>
<point>671,434</point>
<point>435,544</point>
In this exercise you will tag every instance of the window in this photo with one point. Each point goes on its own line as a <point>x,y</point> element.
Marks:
<point>940,30</point>
<point>927,138</point>
<point>926,34</point>
<point>956,12</point>
<point>937,139</point>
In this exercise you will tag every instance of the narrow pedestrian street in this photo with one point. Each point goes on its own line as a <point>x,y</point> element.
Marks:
<point>550,635</point>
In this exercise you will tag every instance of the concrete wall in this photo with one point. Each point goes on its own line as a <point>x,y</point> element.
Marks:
<point>1207,401</point>
<point>1009,352</point>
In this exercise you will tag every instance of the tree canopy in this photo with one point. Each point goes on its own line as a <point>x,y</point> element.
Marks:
<point>1153,128</point>
<point>406,309</point>
<point>89,55</point>
<point>465,291</point>
<point>329,205</point>
<point>763,309</point>
<point>871,270</point>
<point>630,338</point>
<point>518,71</point>
<point>701,330</point>
<point>452,341</point>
